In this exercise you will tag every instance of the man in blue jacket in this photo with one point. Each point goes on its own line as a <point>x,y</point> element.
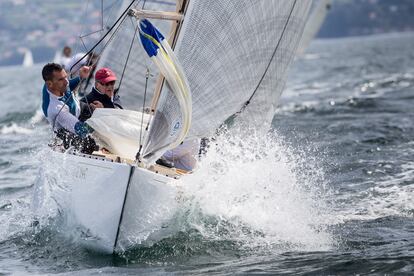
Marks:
<point>62,109</point>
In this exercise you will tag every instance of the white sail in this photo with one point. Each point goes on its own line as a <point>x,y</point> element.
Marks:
<point>28,58</point>
<point>317,14</point>
<point>125,137</point>
<point>171,133</point>
<point>235,55</point>
<point>234,52</point>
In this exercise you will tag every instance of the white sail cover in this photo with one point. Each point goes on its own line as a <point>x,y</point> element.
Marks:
<point>234,52</point>
<point>120,131</point>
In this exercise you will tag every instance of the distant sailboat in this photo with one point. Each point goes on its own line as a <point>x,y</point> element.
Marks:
<point>57,58</point>
<point>28,58</point>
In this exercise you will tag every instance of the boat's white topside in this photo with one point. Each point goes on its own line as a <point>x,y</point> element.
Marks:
<point>115,203</point>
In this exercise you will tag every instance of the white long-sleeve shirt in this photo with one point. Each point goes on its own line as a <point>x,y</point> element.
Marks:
<point>63,112</point>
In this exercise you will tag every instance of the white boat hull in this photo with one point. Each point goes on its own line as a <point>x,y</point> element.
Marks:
<point>114,205</point>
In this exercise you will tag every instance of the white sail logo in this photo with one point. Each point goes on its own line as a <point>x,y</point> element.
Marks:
<point>175,128</point>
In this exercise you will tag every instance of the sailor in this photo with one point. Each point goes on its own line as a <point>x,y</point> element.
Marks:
<point>182,157</point>
<point>66,56</point>
<point>62,109</point>
<point>104,91</point>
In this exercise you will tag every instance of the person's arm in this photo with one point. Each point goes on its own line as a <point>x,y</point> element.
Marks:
<point>73,83</point>
<point>183,156</point>
<point>88,109</point>
<point>85,111</point>
<point>84,72</point>
<point>117,101</point>
<point>72,124</point>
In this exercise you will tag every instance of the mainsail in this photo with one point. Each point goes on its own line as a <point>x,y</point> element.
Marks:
<point>317,14</point>
<point>235,55</point>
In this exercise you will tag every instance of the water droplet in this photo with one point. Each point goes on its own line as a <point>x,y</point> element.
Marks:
<point>6,207</point>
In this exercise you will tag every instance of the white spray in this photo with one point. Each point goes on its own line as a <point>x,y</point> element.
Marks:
<point>255,181</point>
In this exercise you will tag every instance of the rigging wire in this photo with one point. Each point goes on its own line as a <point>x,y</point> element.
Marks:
<point>104,47</point>
<point>83,27</point>
<point>121,17</point>
<point>270,62</point>
<point>137,157</point>
<point>127,59</point>
<point>107,43</point>
<point>102,15</point>
<point>111,9</point>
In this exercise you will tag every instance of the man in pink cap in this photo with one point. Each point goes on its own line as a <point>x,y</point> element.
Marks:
<point>104,90</point>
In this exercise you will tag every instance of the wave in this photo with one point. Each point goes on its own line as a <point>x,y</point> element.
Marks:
<point>38,117</point>
<point>247,194</point>
<point>15,129</point>
<point>21,122</point>
<point>260,193</point>
<point>370,93</point>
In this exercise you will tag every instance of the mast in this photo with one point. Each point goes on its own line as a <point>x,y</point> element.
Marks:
<point>177,17</point>
<point>181,8</point>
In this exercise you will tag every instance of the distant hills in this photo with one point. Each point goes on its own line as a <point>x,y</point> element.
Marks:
<point>366,17</point>
<point>45,26</point>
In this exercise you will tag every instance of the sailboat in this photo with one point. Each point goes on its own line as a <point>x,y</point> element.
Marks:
<point>57,57</point>
<point>220,60</point>
<point>28,58</point>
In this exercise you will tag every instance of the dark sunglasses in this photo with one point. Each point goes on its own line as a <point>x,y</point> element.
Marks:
<point>111,83</point>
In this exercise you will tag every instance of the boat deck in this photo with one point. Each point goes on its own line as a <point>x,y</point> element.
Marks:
<point>109,157</point>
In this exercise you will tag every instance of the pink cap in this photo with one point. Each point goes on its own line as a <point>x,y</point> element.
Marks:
<point>105,75</point>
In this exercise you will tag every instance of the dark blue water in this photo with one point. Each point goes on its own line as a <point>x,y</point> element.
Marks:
<point>330,191</point>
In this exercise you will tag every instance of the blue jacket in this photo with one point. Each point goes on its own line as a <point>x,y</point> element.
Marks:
<point>63,112</point>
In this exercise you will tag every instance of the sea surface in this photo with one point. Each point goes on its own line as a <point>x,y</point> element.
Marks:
<point>330,190</point>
